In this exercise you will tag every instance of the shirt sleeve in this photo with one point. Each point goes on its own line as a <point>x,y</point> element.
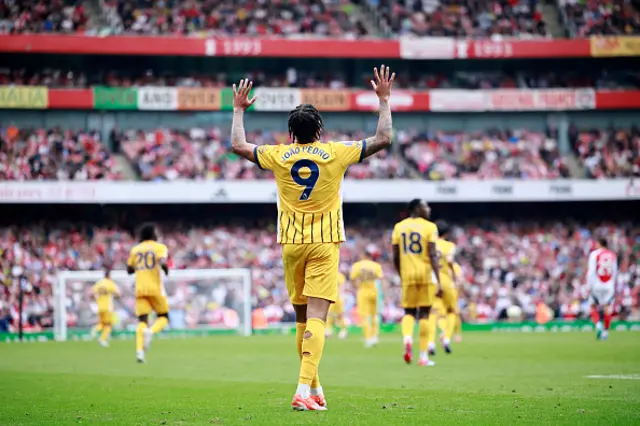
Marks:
<point>162,252</point>
<point>379,272</point>
<point>432,233</point>
<point>132,259</point>
<point>452,254</point>
<point>354,272</point>
<point>395,236</point>
<point>350,152</point>
<point>265,156</point>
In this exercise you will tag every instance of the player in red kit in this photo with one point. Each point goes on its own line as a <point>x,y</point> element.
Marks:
<point>601,279</point>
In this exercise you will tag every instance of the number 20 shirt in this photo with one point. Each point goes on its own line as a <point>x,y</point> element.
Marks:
<point>309,178</point>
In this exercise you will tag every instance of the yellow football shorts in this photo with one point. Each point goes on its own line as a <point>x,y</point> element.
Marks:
<point>367,302</point>
<point>311,270</point>
<point>449,299</point>
<point>418,295</point>
<point>147,304</point>
<point>105,318</point>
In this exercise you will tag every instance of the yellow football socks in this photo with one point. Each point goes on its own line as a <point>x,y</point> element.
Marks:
<point>300,329</point>
<point>159,324</point>
<point>312,347</point>
<point>442,324</point>
<point>408,322</point>
<point>423,327</point>
<point>366,327</point>
<point>432,321</point>
<point>375,326</point>
<point>142,326</point>
<point>106,332</point>
<point>452,318</point>
<point>98,328</point>
<point>458,327</point>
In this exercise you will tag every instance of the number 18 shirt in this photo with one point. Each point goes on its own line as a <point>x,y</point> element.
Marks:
<point>309,178</point>
<point>412,235</point>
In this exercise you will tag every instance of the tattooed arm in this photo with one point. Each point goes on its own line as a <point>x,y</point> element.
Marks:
<point>241,102</point>
<point>384,132</point>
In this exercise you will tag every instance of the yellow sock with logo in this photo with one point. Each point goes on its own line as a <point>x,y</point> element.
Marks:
<point>366,327</point>
<point>159,324</point>
<point>142,326</point>
<point>312,347</point>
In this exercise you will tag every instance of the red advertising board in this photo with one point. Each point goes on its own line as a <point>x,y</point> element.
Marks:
<point>406,48</point>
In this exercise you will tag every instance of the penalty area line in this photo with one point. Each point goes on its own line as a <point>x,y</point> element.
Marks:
<point>616,377</point>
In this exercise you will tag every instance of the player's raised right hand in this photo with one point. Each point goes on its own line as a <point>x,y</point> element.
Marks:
<point>383,82</point>
<point>241,99</point>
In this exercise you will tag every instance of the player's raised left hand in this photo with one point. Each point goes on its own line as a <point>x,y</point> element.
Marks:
<point>241,99</point>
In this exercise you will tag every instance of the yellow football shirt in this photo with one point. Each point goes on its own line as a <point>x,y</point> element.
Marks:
<point>412,236</point>
<point>145,258</point>
<point>458,270</point>
<point>309,179</point>
<point>364,273</point>
<point>104,291</point>
<point>446,253</point>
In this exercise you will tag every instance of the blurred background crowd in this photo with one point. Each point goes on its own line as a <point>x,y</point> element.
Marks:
<point>205,154</point>
<point>505,264</point>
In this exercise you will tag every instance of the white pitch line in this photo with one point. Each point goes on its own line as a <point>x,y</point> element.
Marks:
<point>616,377</point>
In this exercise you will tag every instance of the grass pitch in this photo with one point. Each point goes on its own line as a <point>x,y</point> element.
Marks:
<point>491,379</point>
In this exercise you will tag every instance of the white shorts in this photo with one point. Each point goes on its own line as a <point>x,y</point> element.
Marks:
<point>601,295</point>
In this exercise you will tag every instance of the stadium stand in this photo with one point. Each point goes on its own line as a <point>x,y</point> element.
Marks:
<point>33,16</point>
<point>451,18</point>
<point>614,17</point>
<point>412,79</point>
<point>504,263</point>
<point>54,154</point>
<point>608,153</point>
<point>309,18</point>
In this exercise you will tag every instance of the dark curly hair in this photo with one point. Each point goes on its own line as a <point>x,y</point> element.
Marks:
<point>305,124</point>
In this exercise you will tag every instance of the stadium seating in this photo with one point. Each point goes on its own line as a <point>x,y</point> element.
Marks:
<point>414,79</point>
<point>608,153</point>
<point>503,263</point>
<point>612,17</point>
<point>54,154</point>
<point>31,16</point>
<point>307,18</point>
<point>452,18</point>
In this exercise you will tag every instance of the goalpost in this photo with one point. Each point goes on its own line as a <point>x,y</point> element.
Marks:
<point>200,301</point>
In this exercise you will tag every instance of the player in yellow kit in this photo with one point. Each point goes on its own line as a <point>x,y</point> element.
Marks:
<point>364,275</point>
<point>104,291</point>
<point>309,174</point>
<point>336,311</point>
<point>146,260</point>
<point>457,330</point>
<point>415,259</point>
<point>446,251</point>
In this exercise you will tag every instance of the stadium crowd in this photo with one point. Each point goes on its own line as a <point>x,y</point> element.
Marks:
<point>54,154</point>
<point>453,18</point>
<point>608,153</point>
<point>504,264</point>
<point>493,154</point>
<point>302,18</point>
<point>165,154</point>
<point>204,154</point>
<point>293,77</point>
<point>609,17</point>
<point>38,16</point>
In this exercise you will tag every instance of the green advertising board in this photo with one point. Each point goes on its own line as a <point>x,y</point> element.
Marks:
<point>109,98</point>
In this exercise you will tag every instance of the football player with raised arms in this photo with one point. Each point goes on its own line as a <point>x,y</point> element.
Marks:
<point>309,175</point>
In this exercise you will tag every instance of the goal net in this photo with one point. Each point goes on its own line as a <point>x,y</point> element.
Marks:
<point>201,301</point>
